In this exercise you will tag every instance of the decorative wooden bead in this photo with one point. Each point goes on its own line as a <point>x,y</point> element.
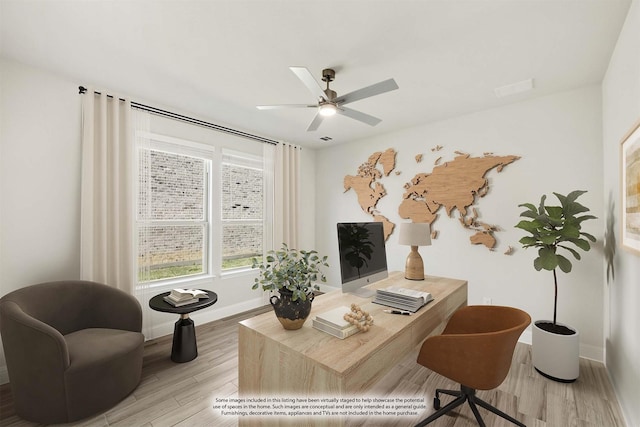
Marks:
<point>360,318</point>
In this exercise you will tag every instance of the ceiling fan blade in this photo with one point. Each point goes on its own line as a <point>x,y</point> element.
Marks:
<point>283,106</point>
<point>315,122</point>
<point>307,78</point>
<point>357,115</point>
<point>366,92</point>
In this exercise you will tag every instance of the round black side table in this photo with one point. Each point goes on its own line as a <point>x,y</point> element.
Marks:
<point>184,348</point>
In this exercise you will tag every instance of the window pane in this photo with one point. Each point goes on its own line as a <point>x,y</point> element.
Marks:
<point>170,251</point>
<point>241,192</point>
<point>171,186</point>
<point>240,243</point>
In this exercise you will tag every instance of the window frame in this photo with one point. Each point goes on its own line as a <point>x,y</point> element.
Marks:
<point>210,155</point>
<point>216,155</point>
<point>248,161</point>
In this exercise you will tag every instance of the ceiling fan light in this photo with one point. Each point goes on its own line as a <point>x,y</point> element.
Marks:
<point>327,110</point>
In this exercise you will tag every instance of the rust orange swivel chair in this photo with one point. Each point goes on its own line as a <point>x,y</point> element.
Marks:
<point>475,350</point>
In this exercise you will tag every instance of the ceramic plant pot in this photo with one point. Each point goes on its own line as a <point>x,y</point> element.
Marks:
<point>555,351</point>
<point>291,314</point>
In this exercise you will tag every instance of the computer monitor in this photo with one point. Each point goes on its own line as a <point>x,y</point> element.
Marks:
<point>363,256</point>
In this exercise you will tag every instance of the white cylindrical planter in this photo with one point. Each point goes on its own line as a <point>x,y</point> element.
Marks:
<point>554,355</point>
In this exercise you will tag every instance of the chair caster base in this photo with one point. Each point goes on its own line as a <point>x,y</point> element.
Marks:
<point>466,394</point>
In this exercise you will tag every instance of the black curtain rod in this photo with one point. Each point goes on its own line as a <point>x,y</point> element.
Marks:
<point>191,120</point>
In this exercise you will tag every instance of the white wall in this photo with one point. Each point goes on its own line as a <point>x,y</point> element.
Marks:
<point>308,200</point>
<point>39,177</point>
<point>559,140</point>
<point>621,109</point>
<point>40,194</point>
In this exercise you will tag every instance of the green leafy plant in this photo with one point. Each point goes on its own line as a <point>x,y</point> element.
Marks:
<point>290,269</point>
<point>555,228</point>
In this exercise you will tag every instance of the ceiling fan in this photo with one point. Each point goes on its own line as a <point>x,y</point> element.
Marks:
<point>329,103</point>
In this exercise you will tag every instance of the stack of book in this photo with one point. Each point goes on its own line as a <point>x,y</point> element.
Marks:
<point>332,322</point>
<point>402,298</point>
<point>180,297</point>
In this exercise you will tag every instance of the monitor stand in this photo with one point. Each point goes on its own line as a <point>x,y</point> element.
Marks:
<point>363,292</point>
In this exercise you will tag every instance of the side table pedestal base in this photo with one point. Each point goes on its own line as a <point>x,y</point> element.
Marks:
<point>184,347</point>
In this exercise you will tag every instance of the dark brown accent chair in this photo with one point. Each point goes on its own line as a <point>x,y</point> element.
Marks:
<point>475,350</point>
<point>73,348</point>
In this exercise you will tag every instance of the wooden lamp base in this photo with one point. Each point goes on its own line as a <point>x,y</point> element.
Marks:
<point>414,267</point>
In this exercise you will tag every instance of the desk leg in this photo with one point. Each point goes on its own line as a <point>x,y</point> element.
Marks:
<point>184,347</point>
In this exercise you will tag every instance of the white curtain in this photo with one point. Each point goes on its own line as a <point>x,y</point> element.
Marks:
<point>283,190</point>
<point>107,223</point>
<point>143,209</point>
<point>142,124</point>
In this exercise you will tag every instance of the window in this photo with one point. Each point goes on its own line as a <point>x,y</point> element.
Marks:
<point>174,212</point>
<point>199,211</point>
<point>242,209</point>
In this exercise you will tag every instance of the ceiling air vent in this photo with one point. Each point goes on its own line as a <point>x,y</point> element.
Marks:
<point>514,88</point>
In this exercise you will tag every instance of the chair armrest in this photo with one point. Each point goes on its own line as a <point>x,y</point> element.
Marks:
<point>29,342</point>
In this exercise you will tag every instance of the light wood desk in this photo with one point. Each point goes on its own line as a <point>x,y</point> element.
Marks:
<point>273,361</point>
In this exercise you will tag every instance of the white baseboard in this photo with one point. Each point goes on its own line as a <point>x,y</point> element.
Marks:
<point>586,351</point>
<point>621,402</point>
<point>526,337</point>
<point>199,318</point>
<point>592,352</point>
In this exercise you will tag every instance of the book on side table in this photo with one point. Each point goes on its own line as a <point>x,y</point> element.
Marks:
<point>180,297</point>
<point>402,298</point>
<point>333,323</point>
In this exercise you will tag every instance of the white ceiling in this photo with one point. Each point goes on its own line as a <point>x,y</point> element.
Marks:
<point>219,59</point>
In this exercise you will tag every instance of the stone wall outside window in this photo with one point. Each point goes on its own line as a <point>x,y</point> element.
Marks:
<point>175,184</point>
<point>241,200</point>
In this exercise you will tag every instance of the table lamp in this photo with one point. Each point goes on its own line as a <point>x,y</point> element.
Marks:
<point>414,234</point>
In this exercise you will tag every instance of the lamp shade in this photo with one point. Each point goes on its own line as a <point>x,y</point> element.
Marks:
<point>415,234</point>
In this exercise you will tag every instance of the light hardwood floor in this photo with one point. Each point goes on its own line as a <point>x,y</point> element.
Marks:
<point>173,394</point>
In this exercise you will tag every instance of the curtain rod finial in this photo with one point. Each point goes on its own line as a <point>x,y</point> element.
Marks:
<point>82,89</point>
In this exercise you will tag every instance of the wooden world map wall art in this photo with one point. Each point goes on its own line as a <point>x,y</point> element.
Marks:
<point>451,185</point>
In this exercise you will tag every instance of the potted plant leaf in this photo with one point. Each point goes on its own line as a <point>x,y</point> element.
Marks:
<point>556,231</point>
<point>293,274</point>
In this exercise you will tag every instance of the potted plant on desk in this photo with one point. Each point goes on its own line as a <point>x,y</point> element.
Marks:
<point>555,347</point>
<point>293,273</point>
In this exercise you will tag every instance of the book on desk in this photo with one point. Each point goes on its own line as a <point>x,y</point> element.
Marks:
<point>402,298</point>
<point>339,367</point>
<point>332,322</point>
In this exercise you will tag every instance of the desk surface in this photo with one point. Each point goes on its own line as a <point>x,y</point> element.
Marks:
<point>272,359</point>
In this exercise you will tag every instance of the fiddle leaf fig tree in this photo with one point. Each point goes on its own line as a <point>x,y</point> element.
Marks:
<point>555,229</point>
